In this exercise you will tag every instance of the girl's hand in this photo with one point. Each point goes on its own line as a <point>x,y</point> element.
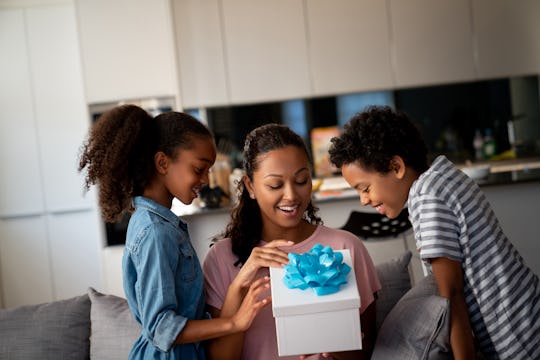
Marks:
<point>268,255</point>
<point>252,304</point>
<point>324,355</point>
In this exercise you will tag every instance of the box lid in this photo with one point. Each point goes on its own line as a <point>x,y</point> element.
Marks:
<point>287,301</point>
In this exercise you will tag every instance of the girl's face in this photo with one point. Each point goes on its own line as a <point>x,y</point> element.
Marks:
<point>188,172</point>
<point>281,186</point>
<point>387,193</point>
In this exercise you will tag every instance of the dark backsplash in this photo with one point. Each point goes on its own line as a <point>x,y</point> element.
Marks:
<point>448,115</point>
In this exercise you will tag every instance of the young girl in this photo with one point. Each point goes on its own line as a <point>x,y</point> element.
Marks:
<point>494,296</point>
<point>145,162</point>
<point>275,215</point>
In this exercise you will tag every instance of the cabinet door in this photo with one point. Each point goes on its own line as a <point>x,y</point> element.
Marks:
<point>127,49</point>
<point>60,110</point>
<point>24,261</point>
<point>432,41</point>
<point>266,50</point>
<point>507,37</point>
<point>201,59</point>
<point>75,252</point>
<point>20,181</point>
<point>349,46</point>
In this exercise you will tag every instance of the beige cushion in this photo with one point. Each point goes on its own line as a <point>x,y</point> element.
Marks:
<point>395,281</point>
<point>417,327</point>
<point>113,328</point>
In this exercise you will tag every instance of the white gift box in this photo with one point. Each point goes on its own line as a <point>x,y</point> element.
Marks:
<point>307,323</point>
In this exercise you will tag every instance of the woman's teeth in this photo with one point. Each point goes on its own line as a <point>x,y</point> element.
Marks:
<point>287,208</point>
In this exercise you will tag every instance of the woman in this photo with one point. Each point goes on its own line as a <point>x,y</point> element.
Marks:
<point>275,215</point>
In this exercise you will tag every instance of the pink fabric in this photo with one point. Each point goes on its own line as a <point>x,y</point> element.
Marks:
<point>260,340</point>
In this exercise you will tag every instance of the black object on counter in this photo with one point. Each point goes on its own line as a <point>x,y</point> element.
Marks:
<point>373,225</point>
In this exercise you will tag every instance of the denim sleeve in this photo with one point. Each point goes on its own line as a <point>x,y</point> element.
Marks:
<point>158,257</point>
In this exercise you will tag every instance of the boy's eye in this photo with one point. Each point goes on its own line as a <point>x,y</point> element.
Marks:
<point>365,190</point>
<point>302,182</point>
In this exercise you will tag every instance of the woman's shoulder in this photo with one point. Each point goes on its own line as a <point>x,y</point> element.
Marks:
<point>336,238</point>
<point>220,249</point>
<point>337,233</point>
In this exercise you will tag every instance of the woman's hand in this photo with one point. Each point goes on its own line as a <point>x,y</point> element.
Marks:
<point>268,255</point>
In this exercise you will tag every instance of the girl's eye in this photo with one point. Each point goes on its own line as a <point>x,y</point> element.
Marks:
<point>274,187</point>
<point>303,182</point>
<point>366,190</point>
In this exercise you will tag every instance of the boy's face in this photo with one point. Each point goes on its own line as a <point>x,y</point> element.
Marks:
<point>387,193</point>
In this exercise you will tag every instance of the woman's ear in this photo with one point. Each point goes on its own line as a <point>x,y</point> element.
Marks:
<point>161,162</point>
<point>397,166</point>
<point>249,186</point>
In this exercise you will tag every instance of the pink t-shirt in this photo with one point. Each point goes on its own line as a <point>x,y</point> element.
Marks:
<point>260,340</point>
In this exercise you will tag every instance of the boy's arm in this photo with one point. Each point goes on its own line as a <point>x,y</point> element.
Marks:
<point>449,278</point>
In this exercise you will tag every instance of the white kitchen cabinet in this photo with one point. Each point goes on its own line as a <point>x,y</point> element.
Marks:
<point>20,180</point>
<point>25,262</point>
<point>61,117</point>
<point>349,46</point>
<point>43,116</point>
<point>127,49</point>
<point>431,42</point>
<point>200,53</point>
<point>266,50</point>
<point>45,218</point>
<point>507,37</point>
<point>75,252</point>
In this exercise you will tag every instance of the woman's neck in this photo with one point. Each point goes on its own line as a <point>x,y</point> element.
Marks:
<point>296,234</point>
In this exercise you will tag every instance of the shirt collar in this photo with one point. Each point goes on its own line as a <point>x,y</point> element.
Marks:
<point>160,210</point>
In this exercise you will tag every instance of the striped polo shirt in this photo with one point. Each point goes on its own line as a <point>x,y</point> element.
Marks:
<point>452,218</point>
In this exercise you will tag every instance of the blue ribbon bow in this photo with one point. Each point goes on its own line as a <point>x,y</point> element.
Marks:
<point>321,269</point>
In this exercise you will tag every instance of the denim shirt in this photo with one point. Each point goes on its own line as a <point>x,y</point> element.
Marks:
<point>163,281</point>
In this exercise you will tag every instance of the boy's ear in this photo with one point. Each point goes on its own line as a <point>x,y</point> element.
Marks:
<point>161,162</point>
<point>397,166</point>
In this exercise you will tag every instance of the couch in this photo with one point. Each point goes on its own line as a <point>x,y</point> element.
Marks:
<point>412,323</point>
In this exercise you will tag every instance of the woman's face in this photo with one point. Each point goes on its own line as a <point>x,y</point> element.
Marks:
<point>188,172</point>
<point>281,186</point>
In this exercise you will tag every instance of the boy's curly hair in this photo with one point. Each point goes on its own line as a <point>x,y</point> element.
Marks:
<point>374,136</point>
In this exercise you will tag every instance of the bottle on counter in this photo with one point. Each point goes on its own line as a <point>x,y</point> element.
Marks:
<point>478,145</point>
<point>489,146</point>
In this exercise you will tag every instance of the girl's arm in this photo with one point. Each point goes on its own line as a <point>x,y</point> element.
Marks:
<point>449,278</point>
<point>227,347</point>
<point>240,320</point>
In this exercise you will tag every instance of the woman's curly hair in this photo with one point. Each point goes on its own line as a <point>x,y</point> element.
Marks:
<point>119,152</point>
<point>245,226</point>
<point>374,136</point>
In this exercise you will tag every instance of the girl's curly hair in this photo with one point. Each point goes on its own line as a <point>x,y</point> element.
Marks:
<point>118,153</point>
<point>374,136</point>
<point>245,226</point>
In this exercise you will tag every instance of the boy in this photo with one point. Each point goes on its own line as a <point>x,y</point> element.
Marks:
<point>494,296</point>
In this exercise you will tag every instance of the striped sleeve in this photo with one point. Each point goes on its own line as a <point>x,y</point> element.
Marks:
<point>436,227</point>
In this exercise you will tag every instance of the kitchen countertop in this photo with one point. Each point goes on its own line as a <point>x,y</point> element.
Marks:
<point>503,172</point>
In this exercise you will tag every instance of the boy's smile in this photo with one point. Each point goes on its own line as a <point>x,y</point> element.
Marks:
<point>385,192</point>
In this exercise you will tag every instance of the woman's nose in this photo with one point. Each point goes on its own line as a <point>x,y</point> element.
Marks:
<point>289,192</point>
